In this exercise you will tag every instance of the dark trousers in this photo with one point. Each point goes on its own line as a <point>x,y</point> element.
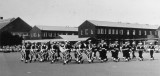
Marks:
<point>103,54</point>
<point>123,53</point>
<point>115,54</point>
<point>94,52</point>
<point>140,54</point>
<point>127,55</point>
<point>151,53</point>
<point>112,53</point>
<point>58,52</point>
<point>27,55</point>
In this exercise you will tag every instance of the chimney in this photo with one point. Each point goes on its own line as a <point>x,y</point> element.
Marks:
<point>1,18</point>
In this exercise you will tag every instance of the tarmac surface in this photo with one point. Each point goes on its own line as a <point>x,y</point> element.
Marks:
<point>10,65</point>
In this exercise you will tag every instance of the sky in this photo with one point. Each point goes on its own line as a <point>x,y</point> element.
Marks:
<point>75,12</point>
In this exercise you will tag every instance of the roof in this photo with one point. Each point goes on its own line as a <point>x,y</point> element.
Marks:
<point>72,38</point>
<point>126,25</point>
<point>5,22</point>
<point>63,38</point>
<point>57,28</point>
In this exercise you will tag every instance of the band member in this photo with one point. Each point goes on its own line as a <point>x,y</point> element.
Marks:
<point>103,51</point>
<point>57,44</point>
<point>33,51</point>
<point>140,49</point>
<point>126,49</point>
<point>78,52</point>
<point>133,50</point>
<point>123,51</point>
<point>27,52</point>
<point>94,50</point>
<point>111,48</point>
<point>68,48</point>
<point>53,52</point>
<point>116,51</point>
<point>89,51</point>
<point>44,52</point>
<point>23,51</point>
<point>152,49</point>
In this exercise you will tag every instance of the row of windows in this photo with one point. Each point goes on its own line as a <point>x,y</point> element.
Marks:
<point>20,33</point>
<point>35,35</point>
<point>121,32</point>
<point>117,31</point>
<point>46,34</point>
<point>87,32</point>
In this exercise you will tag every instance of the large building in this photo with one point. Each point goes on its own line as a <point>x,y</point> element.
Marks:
<point>51,32</point>
<point>16,26</point>
<point>111,31</point>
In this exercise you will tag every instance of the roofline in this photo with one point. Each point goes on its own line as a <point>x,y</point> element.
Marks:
<point>124,27</point>
<point>55,30</point>
<point>9,22</point>
<point>120,22</point>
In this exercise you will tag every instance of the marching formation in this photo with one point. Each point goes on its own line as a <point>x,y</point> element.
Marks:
<point>55,51</point>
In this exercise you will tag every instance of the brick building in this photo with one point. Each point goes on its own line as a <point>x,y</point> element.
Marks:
<point>111,31</point>
<point>51,32</point>
<point>16,26</point>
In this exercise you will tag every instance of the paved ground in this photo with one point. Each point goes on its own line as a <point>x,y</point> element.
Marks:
<point>10,65</point>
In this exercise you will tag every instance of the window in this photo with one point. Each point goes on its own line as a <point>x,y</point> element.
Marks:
<point>150,32</point>
<point>91,31</point>
<point>31,35</point>
<point>102,31</point>
<point>81,32</point>
<point>34,34</point>
<point>50,34</point>
<point>127,32</point>
<point>112,31</point>
<point>86,31</point>
<point>134,32</point>
<point>105,31</point>
<point>156,33</point>
<point>44,34</point>
<point>140,32</point>
<point>145,32</point>
<point>98,31</point>
<point>117,31</point>
<point>109,31</point>
<point>38,34</point>
<point>55,34</point>
<point>121,32</point>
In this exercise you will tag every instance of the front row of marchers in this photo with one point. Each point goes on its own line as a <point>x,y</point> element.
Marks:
<point>56,51</point>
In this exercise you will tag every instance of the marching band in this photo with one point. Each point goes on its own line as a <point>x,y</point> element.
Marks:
<point>55,51</point>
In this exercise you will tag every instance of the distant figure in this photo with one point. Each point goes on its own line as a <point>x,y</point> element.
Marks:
<point>152,49</point>
<point>133,50</point>
<point>140,49</point>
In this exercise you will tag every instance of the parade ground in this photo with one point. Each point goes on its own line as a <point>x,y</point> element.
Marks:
<point>10,65</point>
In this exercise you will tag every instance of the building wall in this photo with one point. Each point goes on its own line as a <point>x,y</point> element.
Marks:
<point>46,34</point>
<point>18,27</point>
<point>115,33</point>
<point>123,33</point>
<point>35,33</point>
<point>86,29</point>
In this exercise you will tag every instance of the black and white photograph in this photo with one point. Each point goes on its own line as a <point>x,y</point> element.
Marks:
<point>79,37</point>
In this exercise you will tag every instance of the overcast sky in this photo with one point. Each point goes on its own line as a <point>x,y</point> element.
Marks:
<point>74,12</point>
